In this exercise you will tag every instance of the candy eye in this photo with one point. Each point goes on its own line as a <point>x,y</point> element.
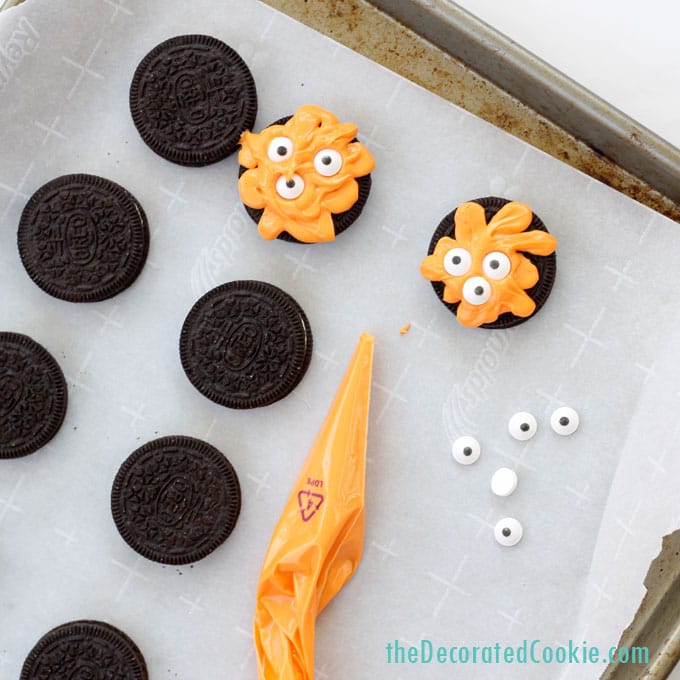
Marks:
<point>564,420</point>
<point>504,481</point>
<point>280,149</point>
<point>466,450</point>
<point>290,188</point>
<point>328,162</point>
<point>508,531</point>
<point>496,265</point>
<point>457,261</point>
<point>476,290</point>
<point>522,426</point>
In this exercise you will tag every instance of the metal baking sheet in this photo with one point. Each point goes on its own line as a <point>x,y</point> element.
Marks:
<point>546,90</point>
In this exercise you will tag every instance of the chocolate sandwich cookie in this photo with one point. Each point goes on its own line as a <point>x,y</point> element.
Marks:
<point>191,97</point>
<point>84,650</point>
<point>175,500</point>
<point>305,178</point>
<point>33,395</point>
<point>492,263</point>
<point>83,238</point>
<point>341,221</point>
<point>245,344</point>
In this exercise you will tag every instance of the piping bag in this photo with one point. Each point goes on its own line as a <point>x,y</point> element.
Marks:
<point>317,543</point>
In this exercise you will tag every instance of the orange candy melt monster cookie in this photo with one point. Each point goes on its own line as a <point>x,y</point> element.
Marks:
<point>302,173</point>
<point>492,262</point>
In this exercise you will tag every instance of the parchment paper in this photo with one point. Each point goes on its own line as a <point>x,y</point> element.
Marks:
<point>593,505</point>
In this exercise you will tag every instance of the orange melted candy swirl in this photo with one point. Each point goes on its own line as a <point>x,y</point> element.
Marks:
<point>483,268</point>
<point>302,172</point>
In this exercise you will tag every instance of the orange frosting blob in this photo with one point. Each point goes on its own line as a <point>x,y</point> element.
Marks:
<point>302,172</point>
<point>505,236</point>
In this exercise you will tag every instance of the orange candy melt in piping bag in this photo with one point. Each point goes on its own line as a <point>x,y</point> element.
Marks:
<point>317,543</point>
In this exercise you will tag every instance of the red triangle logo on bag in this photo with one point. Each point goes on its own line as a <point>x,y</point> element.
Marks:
<point>309,503</point>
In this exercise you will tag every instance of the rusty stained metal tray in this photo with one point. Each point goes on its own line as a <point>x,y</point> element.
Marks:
<point>444,48</point>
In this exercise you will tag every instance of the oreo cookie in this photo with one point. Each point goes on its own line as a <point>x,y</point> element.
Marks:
<point>33,395</point>
<point>191,97</point>
<point>83,238</point>
<point>245,344</point>
<point>341,220</point>
<point>304,178</point>
<point>478,273</point>
<point>84,650</point>
<point>175,499</point>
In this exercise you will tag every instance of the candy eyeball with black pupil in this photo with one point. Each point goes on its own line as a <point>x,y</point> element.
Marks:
<point>328,162</point>
<point>457,261</point>
<point>522,426</point>
<point>466,450</point>
<point>508,532</point>
<point>290,188</point>
<point>280,149</point>
<point>564,420</point>
<point>496,265</point>
<point>476,290</point>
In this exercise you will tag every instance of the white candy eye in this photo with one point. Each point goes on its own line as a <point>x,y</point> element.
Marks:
<point>504,481</point>
<point>457,261</point>
<point>496,265</point>
<point>466,450</point>
<point>280,149</point>
<point>564,420</point>
<point>508,531</point>
<point>522,426</point>
<point>328,162</point>
<point>290,188</point>
<point>476,290</point>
